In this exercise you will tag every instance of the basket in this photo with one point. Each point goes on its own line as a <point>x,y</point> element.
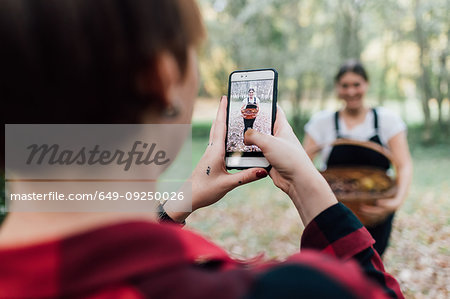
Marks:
<point>249,113</point>
<point>357,185</point>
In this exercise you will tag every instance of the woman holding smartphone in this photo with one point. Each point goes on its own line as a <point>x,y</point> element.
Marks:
<point>135,62</point>
<point>359,122</point>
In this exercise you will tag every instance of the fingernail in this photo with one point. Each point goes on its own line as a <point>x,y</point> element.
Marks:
<point>261,174</point>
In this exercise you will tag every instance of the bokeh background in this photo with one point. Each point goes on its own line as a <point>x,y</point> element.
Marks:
<point>405,45</point>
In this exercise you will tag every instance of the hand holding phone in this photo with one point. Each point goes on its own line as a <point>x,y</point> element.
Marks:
<point>252,97</point>
<point>293,171</point>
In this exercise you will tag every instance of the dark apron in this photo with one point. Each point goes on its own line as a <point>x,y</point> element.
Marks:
<point>248,123</point>
<point>350,155</point>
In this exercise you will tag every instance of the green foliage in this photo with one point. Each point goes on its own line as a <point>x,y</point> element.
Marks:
<point>439,138</point>
<point>200,130</point>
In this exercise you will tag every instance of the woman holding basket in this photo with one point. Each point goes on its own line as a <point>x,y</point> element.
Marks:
<point>250,109</point>
<point>356,121</point>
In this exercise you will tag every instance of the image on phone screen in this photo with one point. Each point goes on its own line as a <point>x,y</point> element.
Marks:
<point>251,104</point>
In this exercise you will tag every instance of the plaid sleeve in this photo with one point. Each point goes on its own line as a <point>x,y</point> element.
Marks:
<point>337,232</point>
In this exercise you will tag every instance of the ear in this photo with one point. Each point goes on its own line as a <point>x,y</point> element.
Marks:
<point>162,76</point>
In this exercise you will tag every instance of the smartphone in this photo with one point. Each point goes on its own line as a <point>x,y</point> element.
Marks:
<point>252,104</point>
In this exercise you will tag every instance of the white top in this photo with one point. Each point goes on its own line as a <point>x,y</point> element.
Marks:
<point>254,101</point>
<point>322,130</point>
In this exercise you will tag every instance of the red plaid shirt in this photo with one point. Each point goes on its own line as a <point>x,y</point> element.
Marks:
<point>149,260</point>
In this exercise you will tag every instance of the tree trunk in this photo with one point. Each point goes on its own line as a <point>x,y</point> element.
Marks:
<point>441,88</point>
<point>382,83</point>
<point>425,78</point>
<point>296,107</point>
<point>348,39</point>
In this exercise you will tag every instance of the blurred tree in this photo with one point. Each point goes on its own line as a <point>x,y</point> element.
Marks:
<point>405,45</point>
<point>348,29</point>
<point>432,26</point>
<point>443,80</point>
<point>384,26</point>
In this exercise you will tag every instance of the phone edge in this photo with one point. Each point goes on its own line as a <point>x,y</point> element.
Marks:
<point>274,109</point>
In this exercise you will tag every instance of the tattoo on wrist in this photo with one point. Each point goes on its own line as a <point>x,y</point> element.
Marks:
<point>208,170</point>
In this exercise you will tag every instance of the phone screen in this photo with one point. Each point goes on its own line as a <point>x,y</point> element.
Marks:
<point>251,106</point>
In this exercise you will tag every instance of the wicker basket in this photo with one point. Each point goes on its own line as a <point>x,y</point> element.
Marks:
<point>249,113</point>
<point>356,185</point>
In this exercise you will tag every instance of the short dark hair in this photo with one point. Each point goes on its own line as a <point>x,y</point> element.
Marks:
<point>251,89</point>
<point>353,66</point>
<point>77,61</point>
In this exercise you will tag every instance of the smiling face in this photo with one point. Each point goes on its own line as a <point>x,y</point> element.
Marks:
<point>352,88</point>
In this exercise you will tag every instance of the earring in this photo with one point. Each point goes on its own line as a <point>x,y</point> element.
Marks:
<point>171,111</point>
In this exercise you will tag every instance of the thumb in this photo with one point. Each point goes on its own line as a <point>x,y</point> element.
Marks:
<point>263,141</point>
